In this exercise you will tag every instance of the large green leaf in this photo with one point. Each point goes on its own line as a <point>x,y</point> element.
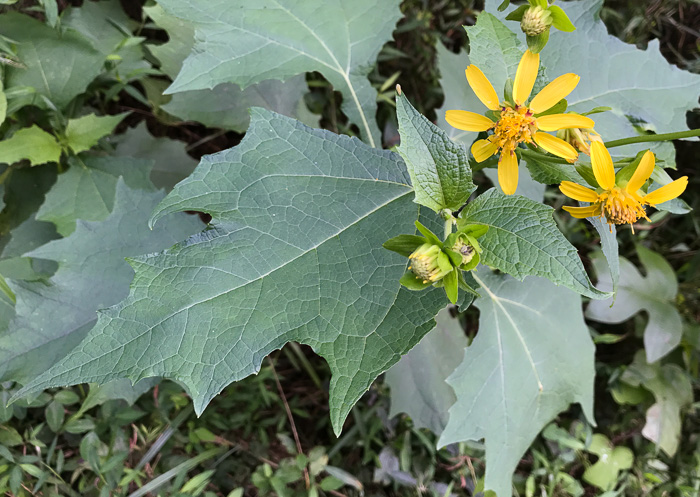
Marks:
<point>673,391</point>
<point>639,85</point>
<point>57,65</point>
<point>226,105</point>
<point>86,191</point>
<point>523,239</point>
<point>249,41</point>
<point>52,317</point>
<point>655,294</point>
<point>171,162</point>
<point>107,27</point>
<point>438,167</point>
<point>417,381</point>
<point>531,358</point>
<point>20,232</point>
<point>293,253</point>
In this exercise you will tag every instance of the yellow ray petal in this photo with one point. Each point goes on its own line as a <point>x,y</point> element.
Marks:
<point>553,92</point>
<point>667,192</point>
<point>508,172</point>
<point>583,212</point>
<point>482,87</point>
<point>556,146</point>
<point>553,122</point>
<point>642,173</point>
<point>603,169</point>
<point>525,76</point>
<point>468,121</point>
<point>483,149</point>
<point>578,192</point>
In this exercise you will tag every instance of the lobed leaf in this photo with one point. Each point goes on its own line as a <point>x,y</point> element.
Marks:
<point>532,357</point>
<point>655,294</point>
<point>417,381</point>
<point>293,254</point>
<point>253,40</point>
<point>57,65</point>
<point>52,317</point>
<point>87,190</point>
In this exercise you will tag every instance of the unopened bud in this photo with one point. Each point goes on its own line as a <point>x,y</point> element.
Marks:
<point>464,248</point>
<point>579,138</point>
<point>535,21</point>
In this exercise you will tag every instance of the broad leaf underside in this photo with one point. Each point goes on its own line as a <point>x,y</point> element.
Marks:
<point>532,357</point>
<point>293,253</point>
<point>248,41</point>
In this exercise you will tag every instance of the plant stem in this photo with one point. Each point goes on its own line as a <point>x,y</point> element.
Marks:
<point>536,155</point>
<point>653,138</point>
<point>448,227</point>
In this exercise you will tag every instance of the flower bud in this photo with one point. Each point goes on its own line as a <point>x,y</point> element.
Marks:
<point>579,138</point>
<point>535,21</point>
<point>430,263</point>
<point>465,249</point>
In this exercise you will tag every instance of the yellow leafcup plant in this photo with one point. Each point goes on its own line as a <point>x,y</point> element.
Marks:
<point>521,122</point>
<point>619,201</point>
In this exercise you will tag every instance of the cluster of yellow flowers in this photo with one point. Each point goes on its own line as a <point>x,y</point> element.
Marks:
<point>619,200</point>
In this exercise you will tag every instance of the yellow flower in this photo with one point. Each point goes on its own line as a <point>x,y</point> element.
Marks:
<point>619,202</point>
<point>519,123</point>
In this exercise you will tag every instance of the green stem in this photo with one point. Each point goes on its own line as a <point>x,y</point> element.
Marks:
<point>448,227</point>
<point>536,155</point>
<point>653,138</point>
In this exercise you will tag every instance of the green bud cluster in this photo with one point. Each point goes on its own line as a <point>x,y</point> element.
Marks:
<point>535,21</point>
<point>438,263</point>
<point>536,18</point>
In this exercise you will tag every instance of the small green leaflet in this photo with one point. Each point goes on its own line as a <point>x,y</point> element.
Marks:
<point>86,191</point>
<point>58,65</point>
<point>673,391</point>
<point>417,381</point>
<point>248,41</point>
<point>523,239</point>
<point>84,132</point>
<point>439,169</point>
<point>531,358</point>
<point>33,144</point>
<point>52,317</point>
<point>611,460</point>
<point>226,105</point>
<point>655,293</point>
<point>294,253</point>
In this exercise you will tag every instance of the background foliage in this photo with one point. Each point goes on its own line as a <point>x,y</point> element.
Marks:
<point>86,441</point>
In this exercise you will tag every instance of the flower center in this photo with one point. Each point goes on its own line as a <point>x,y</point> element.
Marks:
<point>620,207</point>
<point>515,125</point>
